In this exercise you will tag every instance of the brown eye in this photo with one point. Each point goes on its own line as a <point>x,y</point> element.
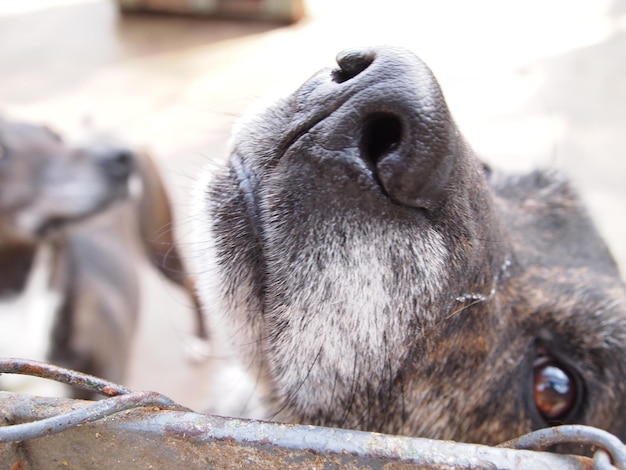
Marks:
<point>554,389</point>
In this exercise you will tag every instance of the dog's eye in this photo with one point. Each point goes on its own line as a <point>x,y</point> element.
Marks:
<point>554,389</point>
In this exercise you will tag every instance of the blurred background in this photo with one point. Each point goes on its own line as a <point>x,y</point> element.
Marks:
<point>530,83</point>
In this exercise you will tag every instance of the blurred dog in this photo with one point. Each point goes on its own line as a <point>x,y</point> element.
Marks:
<point>69,232</point>
<point>374,274</point>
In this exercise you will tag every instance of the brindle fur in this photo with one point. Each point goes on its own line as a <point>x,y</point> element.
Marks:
<point>374,274</point>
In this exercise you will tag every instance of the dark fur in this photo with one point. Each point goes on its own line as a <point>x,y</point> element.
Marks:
<point>378,276</point>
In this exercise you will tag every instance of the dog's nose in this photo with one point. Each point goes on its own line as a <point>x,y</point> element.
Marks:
<point>403,129</point>
<point>118,163</point>
<point>351,63</point>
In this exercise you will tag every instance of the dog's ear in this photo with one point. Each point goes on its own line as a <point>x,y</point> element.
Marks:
<point>156,231</point>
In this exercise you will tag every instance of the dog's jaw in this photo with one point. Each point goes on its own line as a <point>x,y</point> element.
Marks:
<point>237,385</point>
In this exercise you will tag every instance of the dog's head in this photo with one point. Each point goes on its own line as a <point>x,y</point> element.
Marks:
<point>378,276</point>
<point>46,183</point>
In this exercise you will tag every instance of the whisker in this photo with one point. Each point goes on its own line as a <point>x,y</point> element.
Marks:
<point>292,397</point>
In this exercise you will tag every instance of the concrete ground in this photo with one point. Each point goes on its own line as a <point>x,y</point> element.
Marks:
<point>530,83</point>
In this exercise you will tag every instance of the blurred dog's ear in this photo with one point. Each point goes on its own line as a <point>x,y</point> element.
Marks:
<point>156,231</point>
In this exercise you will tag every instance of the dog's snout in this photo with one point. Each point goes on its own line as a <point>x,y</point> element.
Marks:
<point>352,63</point>
<point>116,162</point>
<point>412,156</point>
<point>398,119</point>
<point>381,117</point>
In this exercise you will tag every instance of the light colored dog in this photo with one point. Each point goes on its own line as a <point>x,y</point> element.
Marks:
<point>70,234</point>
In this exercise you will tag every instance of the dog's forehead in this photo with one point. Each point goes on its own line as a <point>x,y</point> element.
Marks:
<point>548,223</point>
<point>567,272</point>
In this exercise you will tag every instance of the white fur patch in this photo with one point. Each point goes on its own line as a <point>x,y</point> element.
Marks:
<point>26,322</point>
<point>234,390</point>
<point>344,325</point>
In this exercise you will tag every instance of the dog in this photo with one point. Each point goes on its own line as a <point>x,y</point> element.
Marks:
<point>372,273</point>
<point>69,232</point>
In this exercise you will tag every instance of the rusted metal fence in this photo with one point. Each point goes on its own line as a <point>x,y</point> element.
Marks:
<point>141,430</point>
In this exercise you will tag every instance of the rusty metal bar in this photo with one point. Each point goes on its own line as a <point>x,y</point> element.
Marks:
<point>122,399</point>
<point>43,370</point>
<point>144,437</point>
<point>602,461</point>
<point>573,434</point>
<point>143,429</point>
<point>80,416</point>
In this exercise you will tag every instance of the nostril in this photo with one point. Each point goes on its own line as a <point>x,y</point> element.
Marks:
<point>351,64</point>
<point>381,134</point>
